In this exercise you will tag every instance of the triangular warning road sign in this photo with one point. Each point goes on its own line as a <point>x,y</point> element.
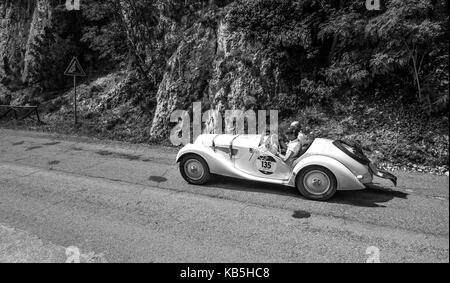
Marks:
<point>75,69</point>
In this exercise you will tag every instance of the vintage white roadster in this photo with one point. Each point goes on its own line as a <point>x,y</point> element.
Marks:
<point>320,169</point>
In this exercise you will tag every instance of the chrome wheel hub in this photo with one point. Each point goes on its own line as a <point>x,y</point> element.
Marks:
<point>316,182</point>
<point>194,169</point>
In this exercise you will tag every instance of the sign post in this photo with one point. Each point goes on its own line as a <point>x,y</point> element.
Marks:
<point>75,70</point>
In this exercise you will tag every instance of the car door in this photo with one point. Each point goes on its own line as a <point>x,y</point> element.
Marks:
<point>262,163</point>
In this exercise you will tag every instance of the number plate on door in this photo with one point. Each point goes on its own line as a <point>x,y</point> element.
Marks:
<point>266,164</point>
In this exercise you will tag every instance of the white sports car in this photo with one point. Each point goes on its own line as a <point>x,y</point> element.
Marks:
<point>320,169</point>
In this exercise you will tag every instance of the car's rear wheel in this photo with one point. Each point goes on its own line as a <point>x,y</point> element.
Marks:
<point>194,169</point>
<point>316,183</point>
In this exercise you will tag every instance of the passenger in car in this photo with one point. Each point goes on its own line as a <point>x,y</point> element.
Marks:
<point>271,143</point>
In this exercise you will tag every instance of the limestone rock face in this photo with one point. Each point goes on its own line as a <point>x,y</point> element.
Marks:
<point>41,19</point>
<point>21,22</point>
<point>220,68</point>
<point>204,60</point>
<point>243,72</point>
<point>186,78</point>
<point>14,28</point>
<point>5,95</point>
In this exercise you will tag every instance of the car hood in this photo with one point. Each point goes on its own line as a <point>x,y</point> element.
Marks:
<point>242,141</point>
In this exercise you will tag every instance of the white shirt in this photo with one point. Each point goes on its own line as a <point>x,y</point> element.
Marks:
<point>294,147</point>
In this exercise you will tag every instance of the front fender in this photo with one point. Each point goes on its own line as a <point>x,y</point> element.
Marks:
<point>346,180</point>
<point>217,164</point>
<point>189,148</point>
<point>201,150</point>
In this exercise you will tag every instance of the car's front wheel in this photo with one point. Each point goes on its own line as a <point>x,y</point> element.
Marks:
<point>316,183</point>
<point>194,169</point>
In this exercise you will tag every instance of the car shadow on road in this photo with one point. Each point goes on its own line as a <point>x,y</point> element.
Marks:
<point>233,184</point>
<point>372,196</point>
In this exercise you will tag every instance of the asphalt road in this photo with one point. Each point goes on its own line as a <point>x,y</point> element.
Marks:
<point>128,203</point>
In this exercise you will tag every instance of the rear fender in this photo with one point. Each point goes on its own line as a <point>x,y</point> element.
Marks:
<point>344,177</point>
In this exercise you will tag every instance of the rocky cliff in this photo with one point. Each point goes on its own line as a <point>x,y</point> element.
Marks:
<point>195,60</point>
<point>186,77</point>
<point>219,67</point>
<point>21,23</point>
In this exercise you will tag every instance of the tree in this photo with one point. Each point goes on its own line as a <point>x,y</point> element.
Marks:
<point>52,52</point>
<point>102,32</point>
<point>406,35</point>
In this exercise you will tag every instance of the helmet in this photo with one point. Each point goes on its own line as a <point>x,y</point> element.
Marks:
<point>295,126</point>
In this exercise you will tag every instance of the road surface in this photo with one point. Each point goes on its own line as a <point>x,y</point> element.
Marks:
<point>119,202</point>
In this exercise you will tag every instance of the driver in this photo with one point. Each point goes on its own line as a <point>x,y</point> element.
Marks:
<point>295,145</point>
